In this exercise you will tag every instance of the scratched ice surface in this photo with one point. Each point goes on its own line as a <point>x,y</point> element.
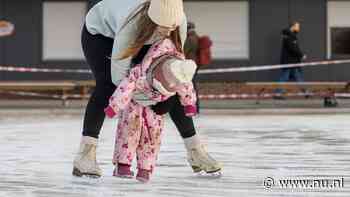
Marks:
<point>37,152</point>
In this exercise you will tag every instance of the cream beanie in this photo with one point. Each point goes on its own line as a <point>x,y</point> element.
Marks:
<point>167,13</point>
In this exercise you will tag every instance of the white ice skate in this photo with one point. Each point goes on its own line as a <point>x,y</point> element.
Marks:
<point>85,163</point>
<point>199,158</point>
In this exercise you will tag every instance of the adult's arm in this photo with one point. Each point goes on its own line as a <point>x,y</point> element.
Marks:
<point>123,39</point>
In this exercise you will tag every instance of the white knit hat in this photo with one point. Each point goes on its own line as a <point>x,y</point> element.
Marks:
<point>178,71</point>
<point>167,13</point>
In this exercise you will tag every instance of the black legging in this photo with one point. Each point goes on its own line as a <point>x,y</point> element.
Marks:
<point>97,50</point>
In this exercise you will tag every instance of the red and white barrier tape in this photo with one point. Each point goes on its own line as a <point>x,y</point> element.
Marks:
<point>208,96</point>
<point>270,95</point>
<point>55,96</point>
<point>342,95</point>
<point>205,71</point>
<point>271,67</point>
<point>44,70</point>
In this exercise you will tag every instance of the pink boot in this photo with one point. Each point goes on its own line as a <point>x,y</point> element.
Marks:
<point>143,175</point>
<point>123,171</point>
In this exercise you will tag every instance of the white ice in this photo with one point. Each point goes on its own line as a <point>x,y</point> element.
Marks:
<point>37,153</point>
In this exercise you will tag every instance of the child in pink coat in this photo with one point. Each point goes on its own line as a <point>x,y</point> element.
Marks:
<point>163,73</point>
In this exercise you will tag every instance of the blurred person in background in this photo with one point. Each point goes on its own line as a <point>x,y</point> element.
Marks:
<point>192,43</point>
<point>191,50</point>
<point>197,48</point>
<point>291,54</point>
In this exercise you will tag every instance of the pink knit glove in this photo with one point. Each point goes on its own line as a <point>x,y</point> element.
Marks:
<point>109,111</point>
<point>190,110</point>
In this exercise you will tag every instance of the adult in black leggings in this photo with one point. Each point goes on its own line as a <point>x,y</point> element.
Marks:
<point>97,49</point>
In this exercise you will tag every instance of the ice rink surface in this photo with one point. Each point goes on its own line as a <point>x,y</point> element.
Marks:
<point>37,153</point>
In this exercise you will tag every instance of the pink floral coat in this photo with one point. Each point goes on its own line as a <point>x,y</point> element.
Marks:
<point>139,128</point>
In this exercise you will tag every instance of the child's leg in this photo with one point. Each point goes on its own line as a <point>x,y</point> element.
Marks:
<point>128,135</point>
<point>148,149</point>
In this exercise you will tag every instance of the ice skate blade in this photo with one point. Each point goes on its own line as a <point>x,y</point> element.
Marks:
<point>214,171</point>
<point>76,172</point>
<point>214,175</point>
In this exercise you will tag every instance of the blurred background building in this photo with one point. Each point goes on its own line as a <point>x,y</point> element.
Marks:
<point>244,33</point>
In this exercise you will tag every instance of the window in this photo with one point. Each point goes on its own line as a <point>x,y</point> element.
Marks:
<point>226,23</point>
<point>62,24</point>
<point>340,39</point>
<point>338,29</point>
